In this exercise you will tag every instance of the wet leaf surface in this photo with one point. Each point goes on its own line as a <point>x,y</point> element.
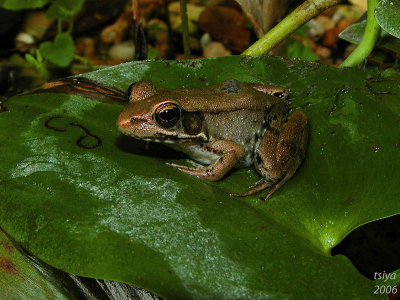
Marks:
<point>387,13</point>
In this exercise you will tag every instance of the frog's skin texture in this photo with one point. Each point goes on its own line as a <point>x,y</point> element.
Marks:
<point>225,126</point>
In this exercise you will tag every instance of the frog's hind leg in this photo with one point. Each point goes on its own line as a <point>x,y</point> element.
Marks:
<point>280,153</point>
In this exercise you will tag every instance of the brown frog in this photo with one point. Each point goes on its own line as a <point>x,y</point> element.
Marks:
<point>225,126</point>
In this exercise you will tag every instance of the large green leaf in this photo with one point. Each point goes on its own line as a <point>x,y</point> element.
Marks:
<point>86,200</point>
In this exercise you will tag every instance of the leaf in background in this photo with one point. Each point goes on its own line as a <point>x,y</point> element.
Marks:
<point>89,201</point>
<point>23,4</point>
<point>59,52</point>
<point>390,42</point>
<point>38,63</point>
<point>263,13</point>
<point>153,53</point>
<point>295,49</point>
<point>298,46</point>
<point>387,13</point>
<point>19,279</point>
<point>360,3</point>
<point>193,13</point>
<point>64,9</point>
<point>227,25</point>
<point>354,32</point>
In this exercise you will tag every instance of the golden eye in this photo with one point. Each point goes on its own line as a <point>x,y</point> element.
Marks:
<point>167,114</point>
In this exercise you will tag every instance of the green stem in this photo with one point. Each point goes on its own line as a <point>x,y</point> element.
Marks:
<point>301,15</point>
<point>86,67</point>
<point>70,25</point>
<point>59,25</point>
<point>84,60</point>
<point>369,38</point>
<point>185,29</point>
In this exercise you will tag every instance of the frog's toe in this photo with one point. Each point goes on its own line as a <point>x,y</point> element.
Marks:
<point>257,183</point>
<point>179,167</point>
<point>259,186</point>
<point>199,172</point>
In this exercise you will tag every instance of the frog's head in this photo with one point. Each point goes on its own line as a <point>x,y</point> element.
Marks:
<point>158,116</point>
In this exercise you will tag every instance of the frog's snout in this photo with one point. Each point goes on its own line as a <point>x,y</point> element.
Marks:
<point>135,126</point>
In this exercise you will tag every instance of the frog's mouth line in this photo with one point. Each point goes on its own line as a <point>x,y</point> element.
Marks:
<point>166,138</point>
<point>172,139</point>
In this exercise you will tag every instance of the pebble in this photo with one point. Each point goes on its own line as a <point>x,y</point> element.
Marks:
<point>215,49</point>
<point>124,51</point>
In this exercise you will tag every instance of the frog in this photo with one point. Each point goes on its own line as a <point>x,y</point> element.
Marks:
<point>223,127</point>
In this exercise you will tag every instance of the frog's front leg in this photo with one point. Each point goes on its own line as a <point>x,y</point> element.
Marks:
<point>230,153</point>
<point>280,153</point>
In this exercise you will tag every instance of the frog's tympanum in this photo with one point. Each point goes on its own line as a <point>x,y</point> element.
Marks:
<point>225,126</point>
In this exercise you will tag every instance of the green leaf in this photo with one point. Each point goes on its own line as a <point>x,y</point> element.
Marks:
<point>354,33</point>
<point>20,279</point>
<point>23,4</point>
<point>89,201</point>
<point>38,63</point>
<point>295,49</point>
<point>59,52</point>
<point>31,59</point>
<point>390,42</point>
<point>387,13</point>
<point>153,53</point>
<point>64,9</point>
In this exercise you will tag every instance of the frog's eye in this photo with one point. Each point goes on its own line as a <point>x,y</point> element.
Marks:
<point>167,114</point>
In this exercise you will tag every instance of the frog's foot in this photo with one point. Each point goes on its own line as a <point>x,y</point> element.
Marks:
<point>280,154</point>
<point>256,188</point>
<point>257,183</point>
<point>207,173</point>
<point>261,185</point>
<point>230,153</point>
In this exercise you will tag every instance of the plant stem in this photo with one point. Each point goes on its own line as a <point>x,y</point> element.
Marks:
<point>59,25</point>
<point>70,25</point>
<point>369,38</point>
<point>84,60</point>
<point>170,33</point>
<point>185,29</point>
<point>87,67</point>
<point>301,15</point>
